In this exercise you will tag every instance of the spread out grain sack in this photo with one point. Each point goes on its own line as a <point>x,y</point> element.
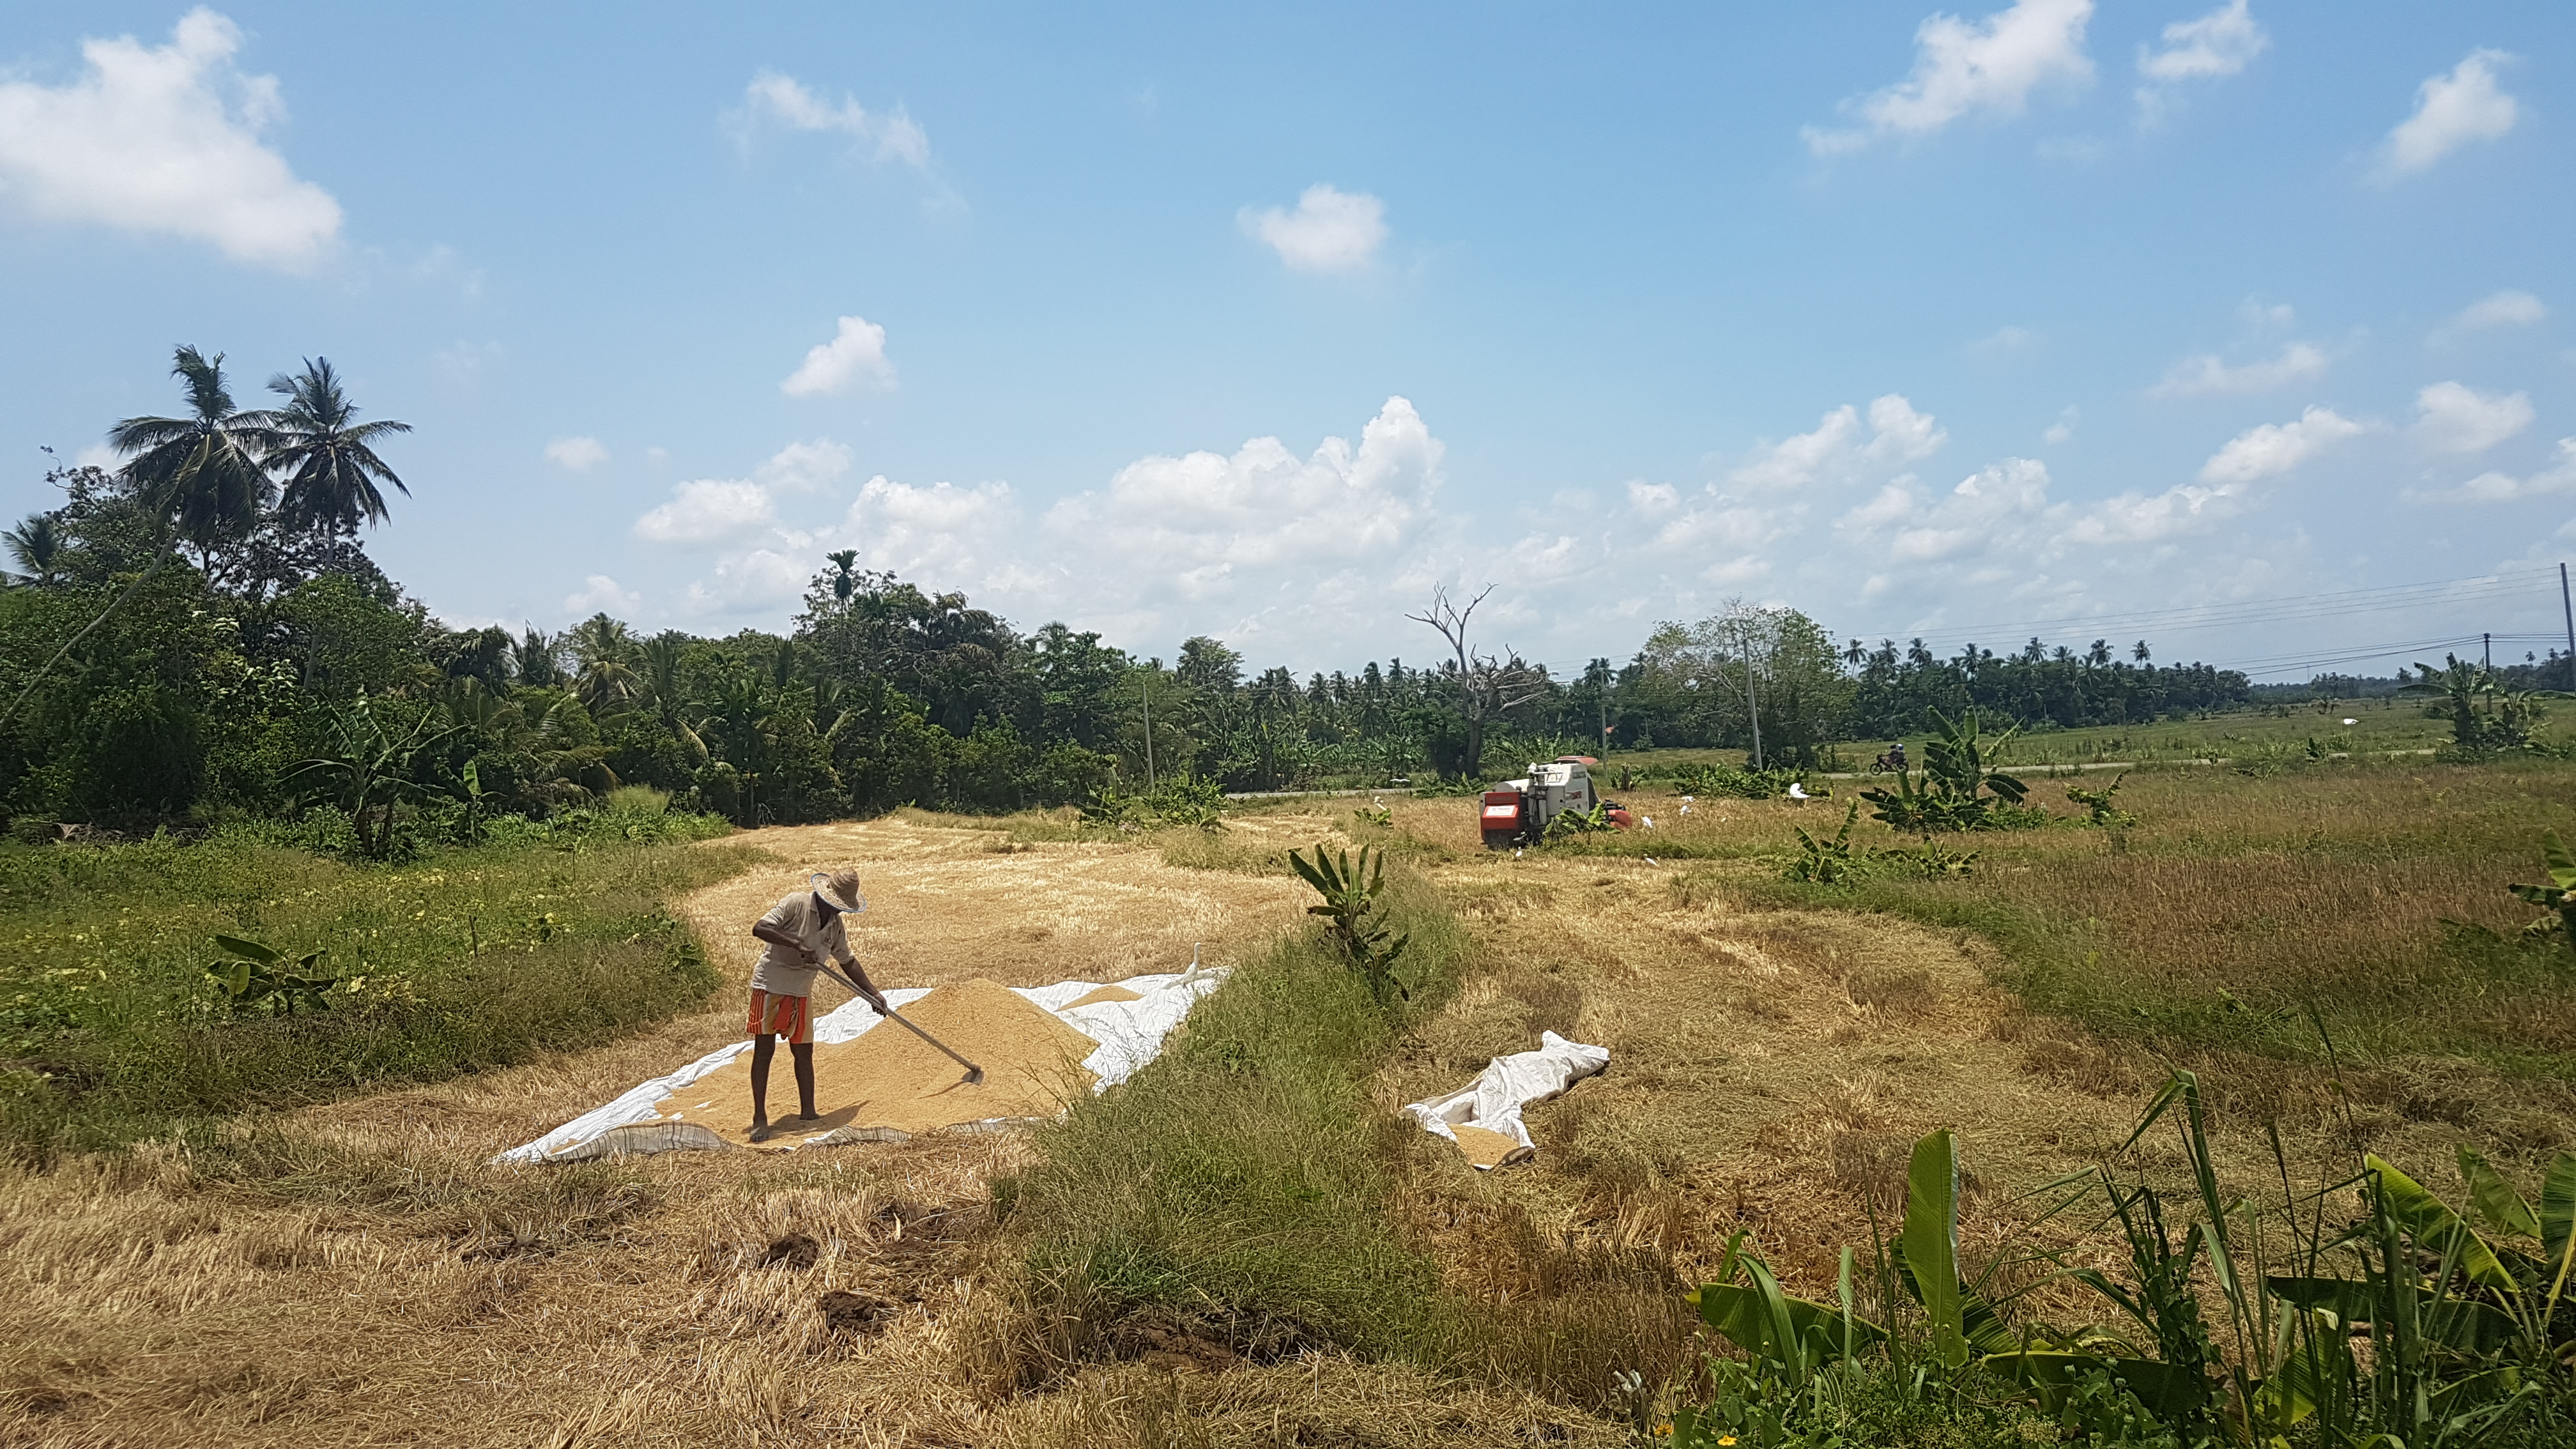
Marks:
<point>1484,1119</point>
<point>874,1081</point>
<point>893,1080</point>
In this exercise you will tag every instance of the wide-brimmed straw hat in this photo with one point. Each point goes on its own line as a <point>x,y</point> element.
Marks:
<point>839,890</point>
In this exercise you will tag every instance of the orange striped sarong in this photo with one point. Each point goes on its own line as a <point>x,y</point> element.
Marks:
<point>782,1016</point>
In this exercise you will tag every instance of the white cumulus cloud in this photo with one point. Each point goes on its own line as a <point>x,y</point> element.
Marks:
<point>2221,43</point>
<point>2454,418</point>
<point>782,100</point>
<point>2194,376</point>
<point>1961,69</point>
<point>2451,111</point>
<point>600,594</point>
<point>856,354</point>
<point>2214,46</point>
<point>715,510</point>
<point>2501,309</point>
<point>1837,452</point>
<point>1330,231</point>
<point>2276,448</point>
<point>708,510</point>
<point>2493,487</point>
<point>577,454</point>
<point>165,140</point>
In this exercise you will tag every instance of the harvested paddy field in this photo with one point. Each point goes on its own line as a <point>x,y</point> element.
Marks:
<point>357,1274</point>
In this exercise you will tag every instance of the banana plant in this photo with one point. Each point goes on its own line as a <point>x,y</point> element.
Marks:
<point>2559,895</point>
<point>1832,861</point>
<point>371,769</point>
<point>260,978</point>
<point>1350,900</point>
<point>1959,786</point>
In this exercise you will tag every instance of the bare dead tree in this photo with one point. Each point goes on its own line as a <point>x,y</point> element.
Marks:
<point>1487,687</point>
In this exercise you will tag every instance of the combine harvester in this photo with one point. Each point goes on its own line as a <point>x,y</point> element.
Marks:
<point>1518,812</point>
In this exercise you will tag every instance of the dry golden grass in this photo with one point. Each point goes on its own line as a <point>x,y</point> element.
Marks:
<point>373,1282</point>
<point>1773,1063</point>
<point>2221,930</point>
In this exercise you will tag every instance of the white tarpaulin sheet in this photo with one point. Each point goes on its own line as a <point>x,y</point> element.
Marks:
<point>1130,1034</point>
<point>1507,1085</point>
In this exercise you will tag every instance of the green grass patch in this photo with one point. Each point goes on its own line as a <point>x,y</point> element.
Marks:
<point>1236,1187</point>
<point>110,1029</point>
<point>2244,914</point>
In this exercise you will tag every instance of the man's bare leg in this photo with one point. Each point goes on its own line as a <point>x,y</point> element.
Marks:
<point>763,1048</point>
<point>803,1054</point>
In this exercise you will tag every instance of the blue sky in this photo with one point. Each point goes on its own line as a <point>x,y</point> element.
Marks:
<point>1262,322</point>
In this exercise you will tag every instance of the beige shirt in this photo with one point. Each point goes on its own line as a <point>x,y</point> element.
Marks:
<point>783,972</point>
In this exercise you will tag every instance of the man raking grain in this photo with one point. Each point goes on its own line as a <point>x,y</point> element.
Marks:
<point>801,931</point>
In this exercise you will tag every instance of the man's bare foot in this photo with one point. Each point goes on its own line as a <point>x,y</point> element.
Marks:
<point>759,1132</point>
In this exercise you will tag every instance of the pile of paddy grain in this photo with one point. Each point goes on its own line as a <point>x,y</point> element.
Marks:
<point>888,1077</point>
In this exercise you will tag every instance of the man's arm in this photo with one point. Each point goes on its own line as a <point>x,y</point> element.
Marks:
<point>857,978</point>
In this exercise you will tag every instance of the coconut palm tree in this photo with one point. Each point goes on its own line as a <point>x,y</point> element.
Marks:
<point>201,473</point>
<point>604,648</point>
<point>36,546</point>
<point>327,458</point>
<point>663,688</point>
<point>538,658</point>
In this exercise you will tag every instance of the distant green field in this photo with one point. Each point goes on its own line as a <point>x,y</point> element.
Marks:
<point>2378,726</point>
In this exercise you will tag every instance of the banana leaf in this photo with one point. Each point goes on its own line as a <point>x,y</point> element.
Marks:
<point>1769,1324</point>
<point>1931,1241</point>
<point>2437,1229</point>
<point>2495,1200</point>
<point>2558,1219</point>
<point>2464,1325</point>
<point>249,950</point>
<point>2171,1393</point>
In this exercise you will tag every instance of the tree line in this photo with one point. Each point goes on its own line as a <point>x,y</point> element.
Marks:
<point>199,635</point>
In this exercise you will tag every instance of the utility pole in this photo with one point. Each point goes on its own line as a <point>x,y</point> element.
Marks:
<point>2486,652</point>
<point>2570,609</point>
<point>1148,685</point>
<point>1751,706</point>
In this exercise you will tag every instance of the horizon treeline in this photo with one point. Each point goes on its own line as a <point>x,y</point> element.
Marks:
<point>200,636</point>
<point>264,675</point>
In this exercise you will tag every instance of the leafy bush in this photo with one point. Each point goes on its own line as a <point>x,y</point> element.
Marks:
<point>1837,861</point>
<point>1828,862</point>
<point>2101,807</point>
<point>2559,895</point>
<point>1180,800</point>
<point>1723,779</point>
<point>1565,823</point>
